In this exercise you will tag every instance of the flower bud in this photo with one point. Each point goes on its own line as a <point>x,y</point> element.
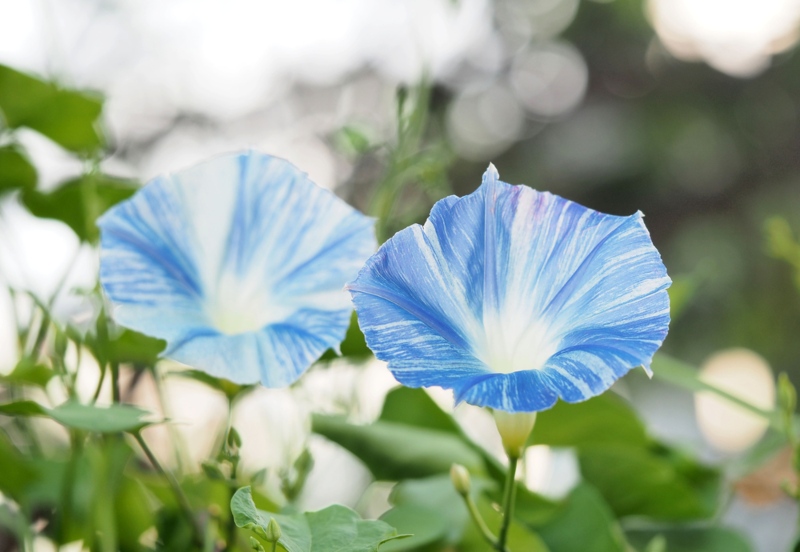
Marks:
<point>273,530</point>
<point>514,428</point>
<point>460,478</point>
<point>234,439</point>
<point>786,393</point>
<point>255,545</point>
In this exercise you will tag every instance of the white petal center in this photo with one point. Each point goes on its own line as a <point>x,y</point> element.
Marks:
<point>513,343</point>
<point>241,306</point>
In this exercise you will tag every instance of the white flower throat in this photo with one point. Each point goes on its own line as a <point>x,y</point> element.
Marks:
<point>242,305</point>
<point>513,343</point>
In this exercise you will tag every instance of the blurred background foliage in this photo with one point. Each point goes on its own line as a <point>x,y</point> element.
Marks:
<point>687,111</point>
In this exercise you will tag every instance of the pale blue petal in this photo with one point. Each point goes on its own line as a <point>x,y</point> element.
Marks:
<point>519,298</point>
<point>149,266</point>
<point>523,391</point>
<point>418,354</point>
<point>276,355</point>
<point>238,263</point>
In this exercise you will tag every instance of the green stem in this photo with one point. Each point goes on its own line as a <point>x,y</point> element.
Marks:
<point>230,545</point>
<point>103,370</point>
<point>66,379</point>
<point>509,500</point>
<point>175,436</point>
<point>479,521</point>
<point>275,546</point>
<point>68,487</point>
<point>35,349</point>
<point>209,544</point>
<point>183,502</point>
<point>115,394</point>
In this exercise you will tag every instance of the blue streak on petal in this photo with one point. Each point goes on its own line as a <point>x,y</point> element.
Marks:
<point>491,293</point>
<point>460,255</point>
<point>148,264</point>
<point>239,263</point>
<point>524,391</point>
<point>563,294</point>
<point>409,273</point>
<point>155,226</point>
<point>411,346</point>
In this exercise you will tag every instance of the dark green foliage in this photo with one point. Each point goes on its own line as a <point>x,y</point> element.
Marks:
<point>16,171</point>
<point>626,473</point>
<point>714,539</point>
<point>73,415</point>
<point>332,529</point>
<point>394,451</point>
<point>68,117</point>
<point>79,202</point>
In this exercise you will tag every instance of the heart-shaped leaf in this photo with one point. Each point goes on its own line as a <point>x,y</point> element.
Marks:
<point>333,529</point>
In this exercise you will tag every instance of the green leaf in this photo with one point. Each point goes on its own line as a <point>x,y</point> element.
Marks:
<point>68,117</point>
<point>110,343</point>
<point>332,529</point>
<point>79,202</point>
<point>444,508</point>
<point>607,418</point>
<point>415,407</point>
<point>432,511</point>
<point>244,509</point>
<point>584,523</point>
<point>16,171</point>
<point>95,419</point>
<point>354,345</point>
<point>657,482</point>
<point>23,408</point>
<point>201,492</point>
<point>520,537</point>
<point>712,539</point>
<point>228,388</point>
<point>395,451</point>
<point>425,526</point>
<point>133,512</point>
<point>28,373</point>
<point>136,348</point>
<point>14,522</point>
<point>15,472</point>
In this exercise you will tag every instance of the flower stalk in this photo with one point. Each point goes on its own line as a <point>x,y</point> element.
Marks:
<point>183,501</point>
<point>462,484</point>
<point>515,429</point>
<point>509,501</point>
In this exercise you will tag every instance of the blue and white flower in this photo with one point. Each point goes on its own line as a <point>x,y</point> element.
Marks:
<point>239,263</point>
<point>515,298</point>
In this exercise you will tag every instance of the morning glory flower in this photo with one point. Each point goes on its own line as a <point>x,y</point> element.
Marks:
<point>239,263</point>
<point>515,298</point>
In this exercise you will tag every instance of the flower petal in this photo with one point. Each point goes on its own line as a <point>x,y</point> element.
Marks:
<point>417,353</point>
<point>239,263</point>
<point>276,355</point>
<point>513,298</point>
